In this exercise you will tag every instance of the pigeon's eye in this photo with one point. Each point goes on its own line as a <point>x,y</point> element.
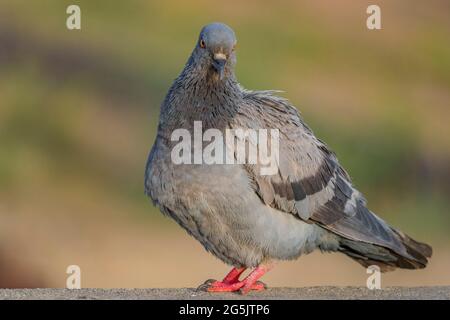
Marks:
<point>202,44</point>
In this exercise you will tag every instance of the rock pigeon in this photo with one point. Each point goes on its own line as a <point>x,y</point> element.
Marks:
<point>244,217</point>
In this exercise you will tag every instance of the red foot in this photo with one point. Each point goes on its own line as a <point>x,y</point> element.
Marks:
<point>231,282</point>
<point>219,286</point>
<point>256,286</point>
<point>233,275</point>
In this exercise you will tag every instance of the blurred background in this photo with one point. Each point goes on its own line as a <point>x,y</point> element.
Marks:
<point>79,109</point>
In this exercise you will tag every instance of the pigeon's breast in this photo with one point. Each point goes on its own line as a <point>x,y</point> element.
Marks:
<point>217,205</point>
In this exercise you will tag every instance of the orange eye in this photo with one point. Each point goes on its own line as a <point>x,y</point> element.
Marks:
<point>202,44</point>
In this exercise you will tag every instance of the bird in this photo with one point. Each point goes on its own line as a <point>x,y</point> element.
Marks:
<point>251,220</point>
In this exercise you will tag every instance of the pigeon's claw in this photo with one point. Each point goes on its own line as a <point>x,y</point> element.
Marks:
<point>220,286</point>
<point>231,282</point>
<point>231,278</point>
<point>257,286</point>
<point>204,286</point>
<point>240,286</point>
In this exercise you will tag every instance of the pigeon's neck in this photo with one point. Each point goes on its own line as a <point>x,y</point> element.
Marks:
<point>203,84</point>
<point>197,95</point>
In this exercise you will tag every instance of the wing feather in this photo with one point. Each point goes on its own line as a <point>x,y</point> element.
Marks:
<point>310,182</point>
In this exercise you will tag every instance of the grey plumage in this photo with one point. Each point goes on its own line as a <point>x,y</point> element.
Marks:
<point>242,217</point>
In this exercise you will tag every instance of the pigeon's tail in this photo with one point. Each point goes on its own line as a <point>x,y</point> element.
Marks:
<point>418,250</point>
<point>415,256</point>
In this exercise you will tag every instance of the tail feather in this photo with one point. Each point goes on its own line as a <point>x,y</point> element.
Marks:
<point>419,250</point>
<point>386,258</point>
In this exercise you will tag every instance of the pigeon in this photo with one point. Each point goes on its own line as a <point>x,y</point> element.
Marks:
<point>248,219</point>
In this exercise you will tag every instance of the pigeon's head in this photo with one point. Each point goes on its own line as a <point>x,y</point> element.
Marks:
<point>215,50</point>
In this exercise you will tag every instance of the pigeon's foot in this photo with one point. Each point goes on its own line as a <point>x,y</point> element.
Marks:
<point>233,275</point>
<point>231,282</point>
<point>220,286</point>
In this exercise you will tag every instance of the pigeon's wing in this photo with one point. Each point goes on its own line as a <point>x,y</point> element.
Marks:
<point>309,183</point>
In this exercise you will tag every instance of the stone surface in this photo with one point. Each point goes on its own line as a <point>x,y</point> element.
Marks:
<point>272,293</point>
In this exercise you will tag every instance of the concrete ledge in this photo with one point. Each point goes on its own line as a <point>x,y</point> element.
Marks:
<point>191,294</point>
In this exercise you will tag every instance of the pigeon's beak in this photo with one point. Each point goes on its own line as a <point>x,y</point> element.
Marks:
<point>218,64</point>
